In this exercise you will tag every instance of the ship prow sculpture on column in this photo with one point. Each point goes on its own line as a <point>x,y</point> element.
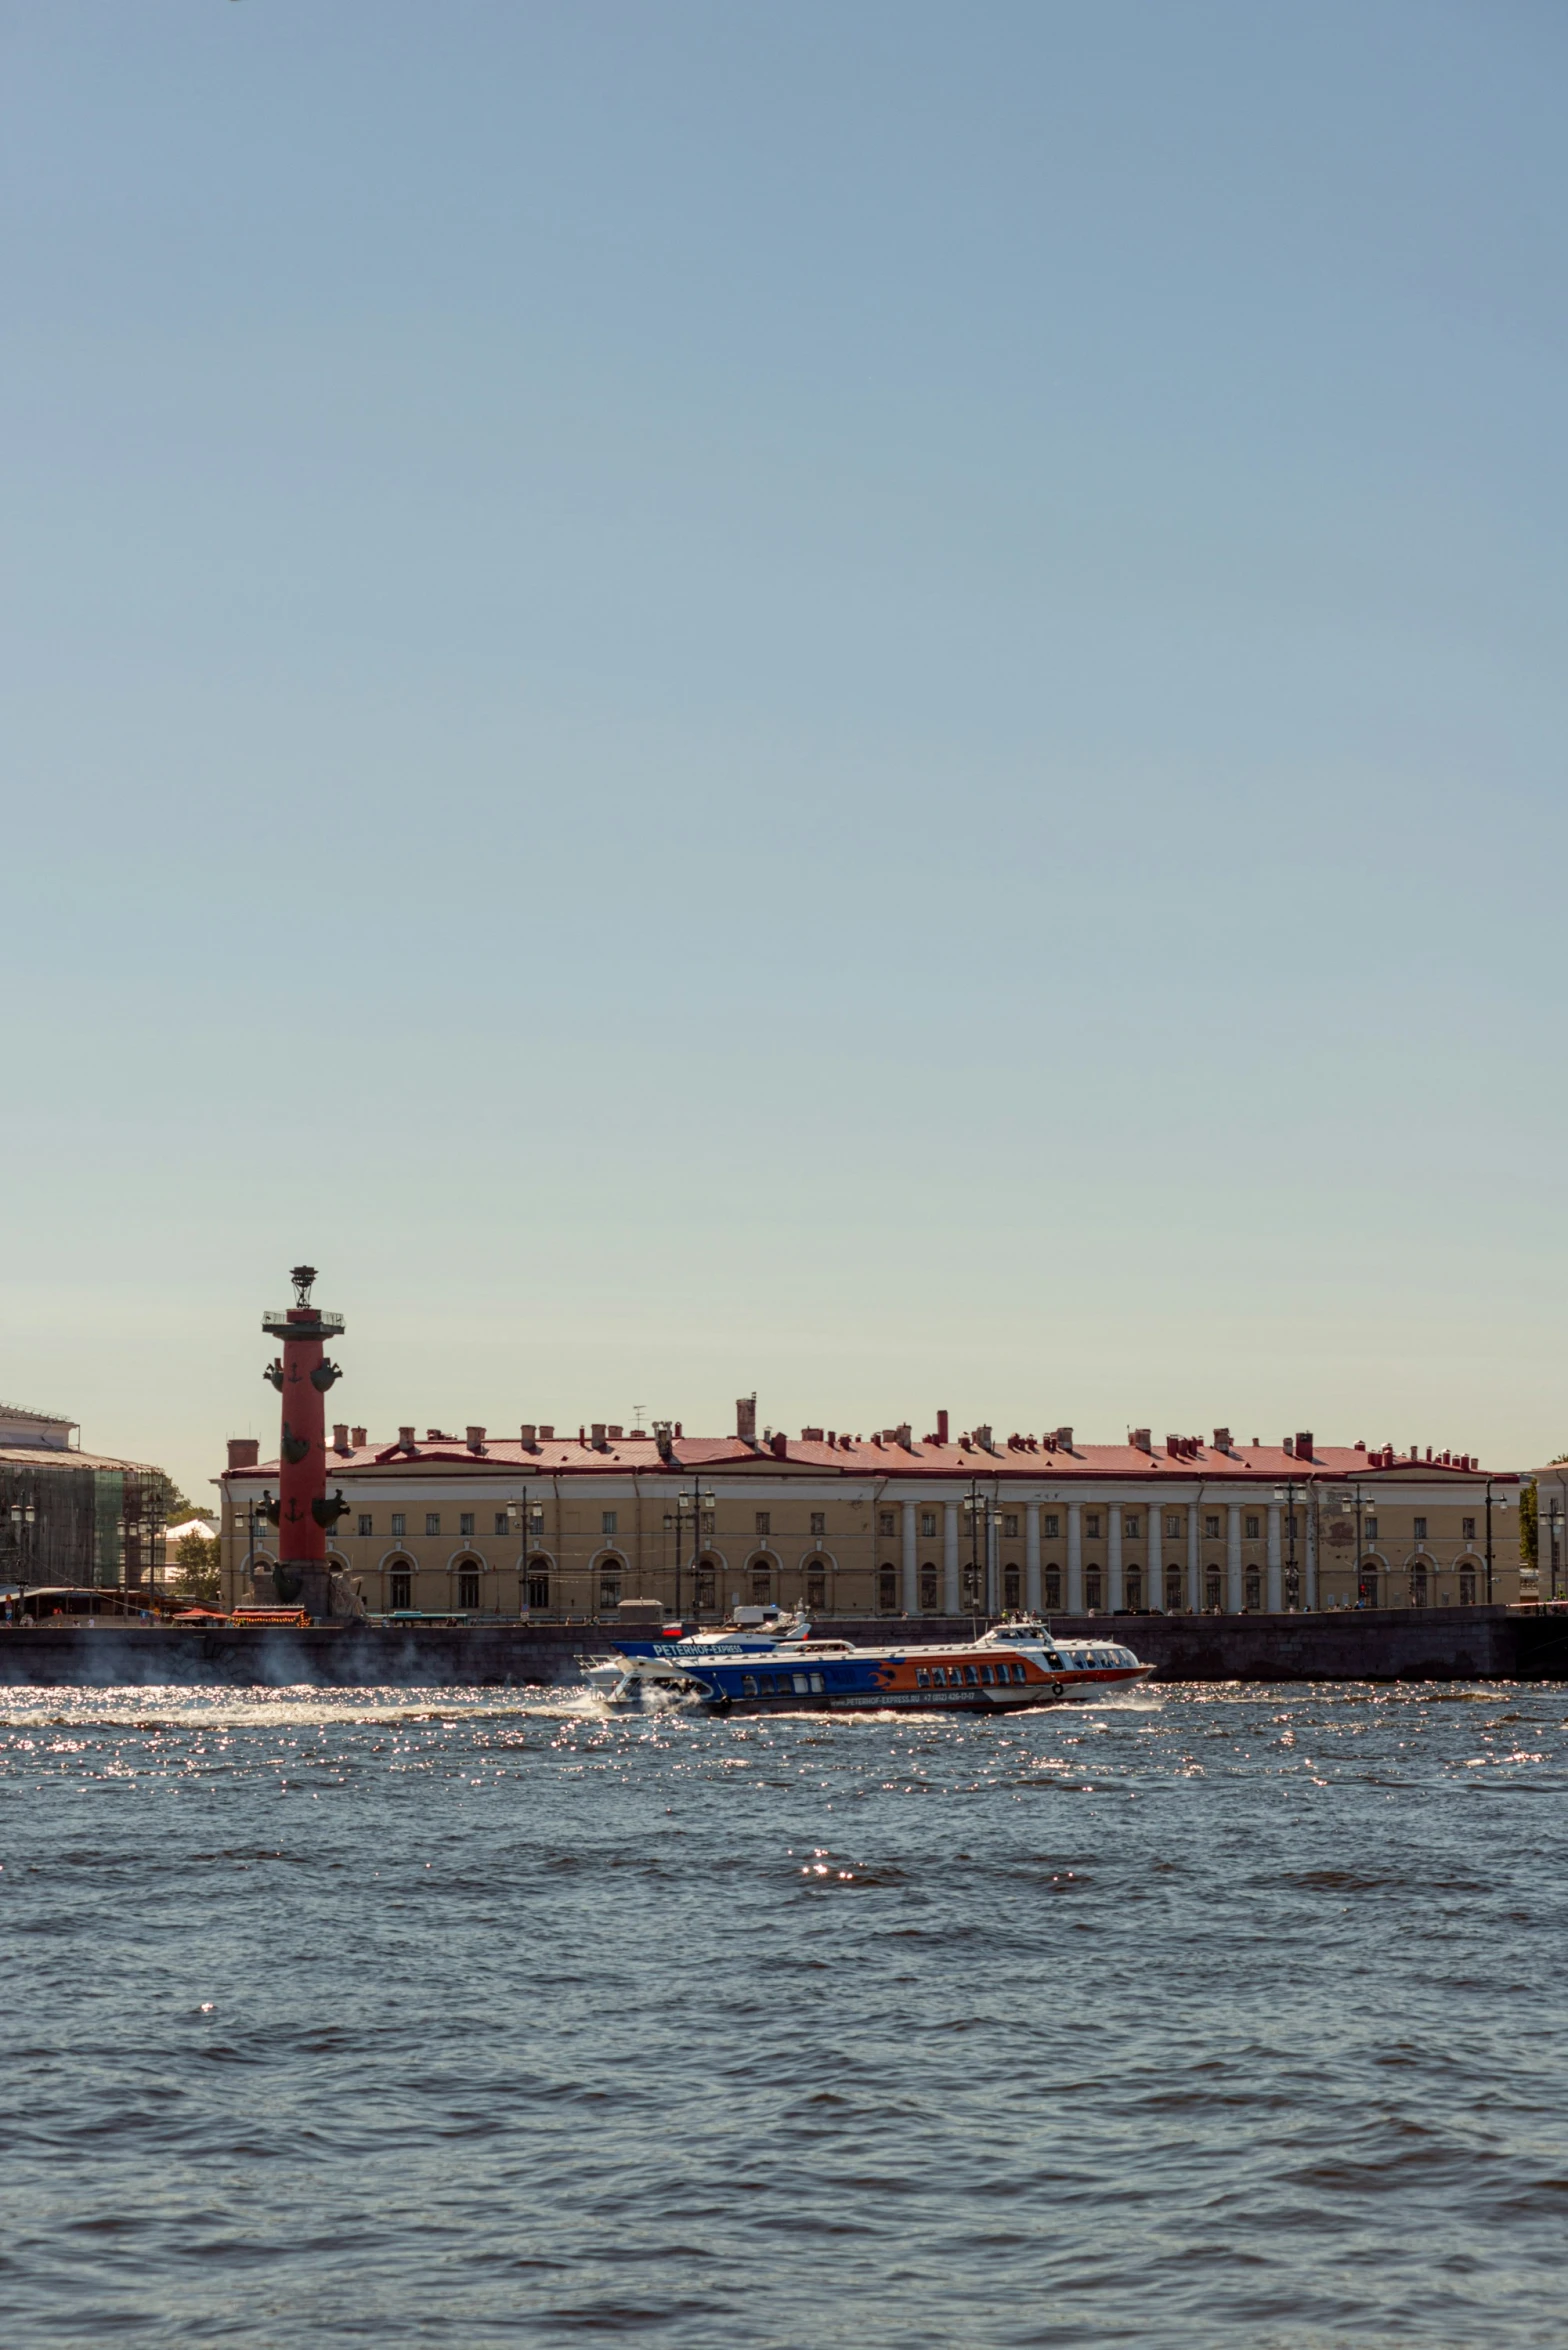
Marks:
<point>303,1515</point>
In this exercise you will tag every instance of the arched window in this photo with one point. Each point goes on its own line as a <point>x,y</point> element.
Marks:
<point>1467,1586</point>
<point>1254,1589</point>
<point>1366,1583</point>
<point>1053,1587</point>
<point>930,1586</point>
<point>1211,1590</point>
<point>400,1586</point>
<point>538,1583</point>
<point>1418,1584</point>
<point>1173,1590</point>
<point>707,1584</point>
<point>1012,1588</point>
<point>609,1585</point>
<point>1092,1589</point>
<point>468,1584</point>
<point>816,1584</point>
<point>887,1590</point>
<point>761,1582</point>
<point>1133,1592</point>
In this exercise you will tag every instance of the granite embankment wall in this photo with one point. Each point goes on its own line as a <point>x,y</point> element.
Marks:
<point>1404,1644</point>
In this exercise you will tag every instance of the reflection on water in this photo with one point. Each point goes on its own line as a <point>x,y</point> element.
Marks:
<point>464,2016</point>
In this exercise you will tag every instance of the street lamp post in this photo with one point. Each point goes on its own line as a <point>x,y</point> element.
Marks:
<point>1287,1494</point>
<point>693,1506</point>
<point>1502,1505</point>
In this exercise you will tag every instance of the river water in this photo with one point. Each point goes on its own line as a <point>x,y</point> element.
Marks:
<point>450,2016</point>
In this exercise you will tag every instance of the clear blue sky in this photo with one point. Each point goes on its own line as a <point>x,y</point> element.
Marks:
<point>862,699</point>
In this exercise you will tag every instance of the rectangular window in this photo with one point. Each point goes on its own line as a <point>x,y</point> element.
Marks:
<point>432,1521</point>
<point>928,1524</point>
<point>922,1677</point>
<point>1009,1529</point>
<point>1420,1529</point>
<point>399,1525</point>
<point>1130,1528</point>
<point>1254,1529</point>
<point>607,1524</point>
<point>1211,1527</point>
<point>364,1522</point>
<point>465,1525</point>
<point>886,1522</point>
<point>764,1524</point>
<point>1467,1529</point>
<point>1172,1525</point>
<point>819,1524</point>
<point>500,1521</point>
<point>1053,1528</point>
<point>1091,1525</point>
<point>1368,1527</point>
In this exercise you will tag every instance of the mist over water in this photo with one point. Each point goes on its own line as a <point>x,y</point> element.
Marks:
<point>450,2016</point>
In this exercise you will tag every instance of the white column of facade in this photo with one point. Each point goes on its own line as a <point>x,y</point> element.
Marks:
<point>1194,1559</point>
<point>1276,1593</point>
<point>993,1563</point>
<point>911,1562</point>
<point>1032,1557</point>
<point>1233,1558</point>
<point>1113,1558</point>
<point>950,1558</point>
<point>1154,1572</point>
<point>1075,1558</point>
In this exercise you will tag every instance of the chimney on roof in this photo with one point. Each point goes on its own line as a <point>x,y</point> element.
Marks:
<point>941,1427</point>
<point>1429,1452</point>
<point>1303,1444</point>
<point>547,1432</point>
<point>1064,1440</point>
<point>780,1446</point>
<point>677,1428</point>
<point>1222,1440</point>
<point>358,1435</point>
<point>1289,1443</point>
<point>601,1442</point>
<point>244,1452</point>
<point>340,1442</point>
<point>476,1441</point>
<point>527,1436</point>
<point>1140,1439</point>
<point>746,1417</point>
<point>1173,1445</point>
<point>405,1440</point>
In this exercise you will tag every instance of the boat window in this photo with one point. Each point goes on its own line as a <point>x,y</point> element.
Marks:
<point>971,1676</point>
<point>748,1684</point>
<point>922,1678</point>
<point>802,1684</point>
<point>816,1685</point>
<point>1019,1674</point>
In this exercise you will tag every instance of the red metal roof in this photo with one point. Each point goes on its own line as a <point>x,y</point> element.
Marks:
<point>1021,1458</point>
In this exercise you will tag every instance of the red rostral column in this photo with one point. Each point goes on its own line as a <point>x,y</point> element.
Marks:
<point>302,1513</point>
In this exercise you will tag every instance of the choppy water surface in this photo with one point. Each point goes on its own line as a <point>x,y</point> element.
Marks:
<point>452,2017</point>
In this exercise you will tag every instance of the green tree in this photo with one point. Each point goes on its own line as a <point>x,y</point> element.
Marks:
<point>197,1575</point>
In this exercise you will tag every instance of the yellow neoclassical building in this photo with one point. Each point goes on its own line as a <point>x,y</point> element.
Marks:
<point>561,1527</point>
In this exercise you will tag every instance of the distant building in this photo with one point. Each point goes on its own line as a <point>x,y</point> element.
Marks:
<point>550,1525</point>
<point>68,1516</point>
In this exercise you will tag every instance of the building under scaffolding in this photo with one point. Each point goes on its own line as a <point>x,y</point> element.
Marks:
<point>68,1516</point>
